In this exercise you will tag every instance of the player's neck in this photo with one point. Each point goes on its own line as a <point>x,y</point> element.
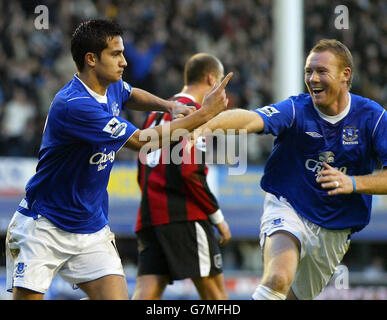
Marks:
<point>197,91</point>
<point>337,106</point>
<point>89,79</point>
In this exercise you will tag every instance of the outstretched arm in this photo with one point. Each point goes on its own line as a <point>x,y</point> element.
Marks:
<point>340,183</point>
<point>214,102</point>
<point>141,100</point>
<point>239,120</point>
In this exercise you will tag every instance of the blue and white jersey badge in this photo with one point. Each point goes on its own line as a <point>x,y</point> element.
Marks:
<point>115,109</point>
<point>278,222</point>
<point>350,135</point>
<point>20,269</point>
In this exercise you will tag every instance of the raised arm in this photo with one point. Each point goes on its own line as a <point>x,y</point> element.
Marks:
<point>214,102</point>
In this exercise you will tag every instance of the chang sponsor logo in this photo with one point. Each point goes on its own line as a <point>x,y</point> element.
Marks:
<point>317,165</point>
<point>101,159</point>
<point>327,156</point>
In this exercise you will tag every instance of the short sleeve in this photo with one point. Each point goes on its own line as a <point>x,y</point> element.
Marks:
<point>277,117</point>
<point>380,138</point>
<point>90,123</point>
<point>126,91</point>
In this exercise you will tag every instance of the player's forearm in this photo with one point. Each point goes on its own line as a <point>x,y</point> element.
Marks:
<point>373,183</point>
<point>161,135</point>
<point>171,131</point>
<point>239,120</point>
<point>141,100</point>
<point>214,103</point>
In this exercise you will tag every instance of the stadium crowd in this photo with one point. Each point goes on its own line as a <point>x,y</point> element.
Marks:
<point>159,37</point>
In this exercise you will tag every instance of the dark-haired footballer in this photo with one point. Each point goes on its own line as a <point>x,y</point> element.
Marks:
<point>61,226</point>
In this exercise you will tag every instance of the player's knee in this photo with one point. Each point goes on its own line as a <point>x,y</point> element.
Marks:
<point>147,293</point>
<point>279,281</point>
<point>211,288</point>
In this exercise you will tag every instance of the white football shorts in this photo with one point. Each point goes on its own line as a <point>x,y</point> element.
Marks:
<point>322,249</point>
<point>36,251</point>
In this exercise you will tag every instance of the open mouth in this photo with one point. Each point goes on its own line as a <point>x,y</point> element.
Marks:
<point>316,91</point>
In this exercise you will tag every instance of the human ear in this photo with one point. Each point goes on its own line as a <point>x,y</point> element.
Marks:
<point>90,59</point>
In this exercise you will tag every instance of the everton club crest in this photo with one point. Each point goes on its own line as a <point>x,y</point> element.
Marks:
<point>350,135</point>
<point>115,109</point>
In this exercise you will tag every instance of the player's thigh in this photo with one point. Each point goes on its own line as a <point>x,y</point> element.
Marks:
<point>150,287</point>
<point>96,263</point>
<point>151,257</point>
<point>281,255</point>
<point>26,294</point>
<point>325,250</point>
<point>34,254</point>
<point>281,238</point>
<point>211,287</point>
<point>111,287</point>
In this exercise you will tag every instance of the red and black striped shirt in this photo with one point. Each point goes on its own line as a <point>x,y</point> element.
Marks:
<point>173,192</point>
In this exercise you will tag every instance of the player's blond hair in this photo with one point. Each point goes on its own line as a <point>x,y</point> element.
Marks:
<point>340,50</point>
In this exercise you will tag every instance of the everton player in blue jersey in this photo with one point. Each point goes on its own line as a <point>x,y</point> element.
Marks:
<point>319,177</point>
<point>61,225</point>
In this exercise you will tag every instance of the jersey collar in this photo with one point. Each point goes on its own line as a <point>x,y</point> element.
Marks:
<point>95,95</point>
<point>338,117</point>
<point>185,95</point>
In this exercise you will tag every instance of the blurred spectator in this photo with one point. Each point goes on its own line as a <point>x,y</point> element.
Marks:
<point>140,57</point>
<point>251,256</point>
<point>17,122</point>
<point>375,271</point>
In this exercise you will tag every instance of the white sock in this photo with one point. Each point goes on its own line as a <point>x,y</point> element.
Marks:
<point>265,293</point>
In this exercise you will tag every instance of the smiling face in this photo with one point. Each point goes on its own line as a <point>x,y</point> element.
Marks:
<point>326,79</point>
<point>111,63</point>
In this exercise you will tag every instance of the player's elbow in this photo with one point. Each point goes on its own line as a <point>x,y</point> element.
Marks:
<point>143,140</point>
<point>134,142</point>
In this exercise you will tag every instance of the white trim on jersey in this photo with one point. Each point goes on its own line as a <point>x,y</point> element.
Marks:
<point>203,251</point>
<point>294,113</point>
<point>377,123</point>
<point>77,98</point>
<point>184,95</point>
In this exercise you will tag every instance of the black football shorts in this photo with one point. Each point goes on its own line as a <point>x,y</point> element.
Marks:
<point>181,250</point>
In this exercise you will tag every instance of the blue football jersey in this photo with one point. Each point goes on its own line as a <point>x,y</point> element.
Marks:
<point>78,149</point>
<point>304,140</point>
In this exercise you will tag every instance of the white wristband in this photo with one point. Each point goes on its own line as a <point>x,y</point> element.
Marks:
<point>216,217</point>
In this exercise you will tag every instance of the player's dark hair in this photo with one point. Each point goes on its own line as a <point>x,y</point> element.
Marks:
<point>340,50</point>
<point>198,66</point>
<point>92,36</point>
